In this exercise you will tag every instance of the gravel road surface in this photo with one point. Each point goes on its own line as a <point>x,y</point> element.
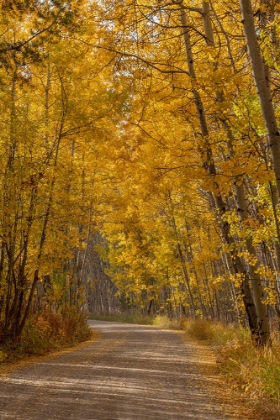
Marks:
<point>131,372</point>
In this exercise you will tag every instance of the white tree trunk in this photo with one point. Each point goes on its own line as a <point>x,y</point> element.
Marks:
<point>263,90</point>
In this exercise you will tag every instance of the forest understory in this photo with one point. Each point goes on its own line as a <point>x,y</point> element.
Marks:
<point>140,171</point>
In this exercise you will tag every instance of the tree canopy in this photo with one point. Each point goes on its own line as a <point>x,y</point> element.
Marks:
<point>151,125</point>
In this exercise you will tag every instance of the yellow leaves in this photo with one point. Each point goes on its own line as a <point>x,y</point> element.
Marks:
<point>231,217</point>
<point>271,295</point>
<point>219,280</point>
<point>266,272</point>
<point>121,145</point>
<point>237,279</point>
<point>251,224</point>
<point>43,326</point>
<point>249,258</point>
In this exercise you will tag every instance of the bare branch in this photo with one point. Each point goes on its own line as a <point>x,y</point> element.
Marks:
<point>154,65</point>
<point>18,45</point>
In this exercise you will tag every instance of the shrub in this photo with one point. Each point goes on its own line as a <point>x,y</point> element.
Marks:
<point>255,371</point>
<point>49,331</point>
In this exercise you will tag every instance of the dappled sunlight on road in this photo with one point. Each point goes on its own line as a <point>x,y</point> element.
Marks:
<point>132,373</point>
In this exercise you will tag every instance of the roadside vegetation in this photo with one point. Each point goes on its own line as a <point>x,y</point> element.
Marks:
<point>256,372</point>
<point>47,333</point>
<point>253,371</point>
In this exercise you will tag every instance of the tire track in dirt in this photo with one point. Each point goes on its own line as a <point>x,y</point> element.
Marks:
<point>132,372</point>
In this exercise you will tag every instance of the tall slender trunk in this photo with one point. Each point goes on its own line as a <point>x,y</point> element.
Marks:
<point>256,316</point>
<point>254,277</point>
<point>264,94</point>
<point>187,279</point>
<point>261,312</point>
<point>182,259</point>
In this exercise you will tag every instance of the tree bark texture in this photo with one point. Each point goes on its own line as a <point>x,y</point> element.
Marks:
<point>264,94</point>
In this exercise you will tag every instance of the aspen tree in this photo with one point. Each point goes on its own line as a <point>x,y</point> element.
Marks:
<point>261,313</point>
<point>49,100</point>
<point>243,214</point>
<point>217,199</point>
<point>263,91</point>
<point>209,148</point>
<point>182,258</point>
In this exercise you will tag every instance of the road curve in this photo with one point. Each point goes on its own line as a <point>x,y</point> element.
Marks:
<point>132,372</point>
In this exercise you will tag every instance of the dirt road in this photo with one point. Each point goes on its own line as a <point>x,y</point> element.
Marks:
<point>131,373</point>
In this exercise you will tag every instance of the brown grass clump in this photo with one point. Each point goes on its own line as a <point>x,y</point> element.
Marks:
<point>254,371</point>
<point>165,322</point>
<point>48,332</point>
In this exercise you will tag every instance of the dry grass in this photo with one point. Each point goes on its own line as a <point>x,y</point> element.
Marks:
<point>254,371</point>
<point>47,333</point>
<point>165,322</point>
